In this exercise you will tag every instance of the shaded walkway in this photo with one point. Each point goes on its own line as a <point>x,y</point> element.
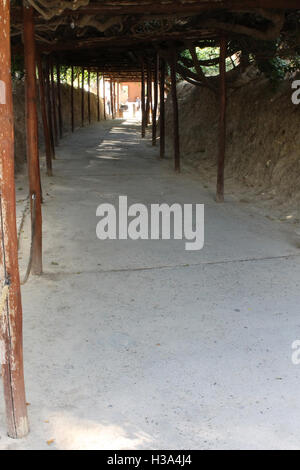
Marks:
<point>142,344</point>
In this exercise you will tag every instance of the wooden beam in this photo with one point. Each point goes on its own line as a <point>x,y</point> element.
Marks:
<point>98,98</point>
<point>222,122</point>
<point>134,40</point>
<point>32,138</point>
<point>43,107</point>
<point>151,99</point>
<point>53,97</point>
<point>72,98</point>
<point>173,60</point>
<point>149,84</point>
<point>49,106</point>
<point>11,336</point>
<point>82,97</point>
<point>104,98</point>
<point>175,7</point>
<point>154,117</point>
<point>112,99</point>
<point>143,107</point>
<point>89,96</point>
<point>162,107</point>
<point>118,98</point>
<point>60,118</point>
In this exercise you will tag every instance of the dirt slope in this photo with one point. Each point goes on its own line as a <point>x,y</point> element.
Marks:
<point>19,116</point>
<point>263,140</point>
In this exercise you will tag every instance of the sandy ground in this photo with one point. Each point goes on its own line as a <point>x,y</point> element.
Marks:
<point>141,344</point>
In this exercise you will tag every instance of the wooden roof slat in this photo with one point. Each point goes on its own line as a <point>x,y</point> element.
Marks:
<point>85,43</point>
<point>172,7</point>
<point>133,40</point>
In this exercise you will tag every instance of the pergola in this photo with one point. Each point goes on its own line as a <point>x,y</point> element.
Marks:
<point>125,40</point>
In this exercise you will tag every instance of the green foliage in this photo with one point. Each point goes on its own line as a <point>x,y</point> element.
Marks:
<point>66,74</point>
<point>274,69</point>
<point>208,54</point>
<point>277,69</point>
<point>272,58</point>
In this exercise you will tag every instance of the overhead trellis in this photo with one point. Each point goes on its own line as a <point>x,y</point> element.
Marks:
<point>104,33</point>
<point>97,18</point>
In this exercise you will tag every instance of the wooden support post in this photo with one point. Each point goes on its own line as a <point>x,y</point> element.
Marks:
<point>49,106</point>
<point>89,95</point>
<point>118,98</point>
<point>43,107</point>
<point>11,336</point>
<point>143,106</point>
<point>115,100</point>
<point>104,98</point>
<point>32,137</point>
<point>53,96</point>
<point>60,118</point>
<point>151,101</point>
<point>162,108</point>
<point>148,102</point>
<point>98,98</point>
<point>175,111</point>
<point>82,97</point>
<point>72,98</point>
<point>222,122</point>
<point>154,116</point>
<point>111,99</point>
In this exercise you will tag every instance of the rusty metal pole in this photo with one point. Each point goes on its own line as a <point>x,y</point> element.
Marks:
<point>43,107</point>
<point>11,317</point>
<point>60,118</point>
<point>89,95</point>
<point>72,98</point>
<point>82,97</point>
<point>49,105</point>
<point>32,137</point>
<point>98,98</point>
<point>151,99</point>
<point>175,111</point>
<point>148,102</point>
<point>53,96</point>
<point>111,100</point>
<point>104,98</point>
<point>143,109</point>
<point>115,105</point>
<point>222,122</point>
<point>154,117</point>
<point>118,98</point>
<point>162,108</point>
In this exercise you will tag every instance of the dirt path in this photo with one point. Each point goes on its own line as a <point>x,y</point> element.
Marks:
<point>141,344</point>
